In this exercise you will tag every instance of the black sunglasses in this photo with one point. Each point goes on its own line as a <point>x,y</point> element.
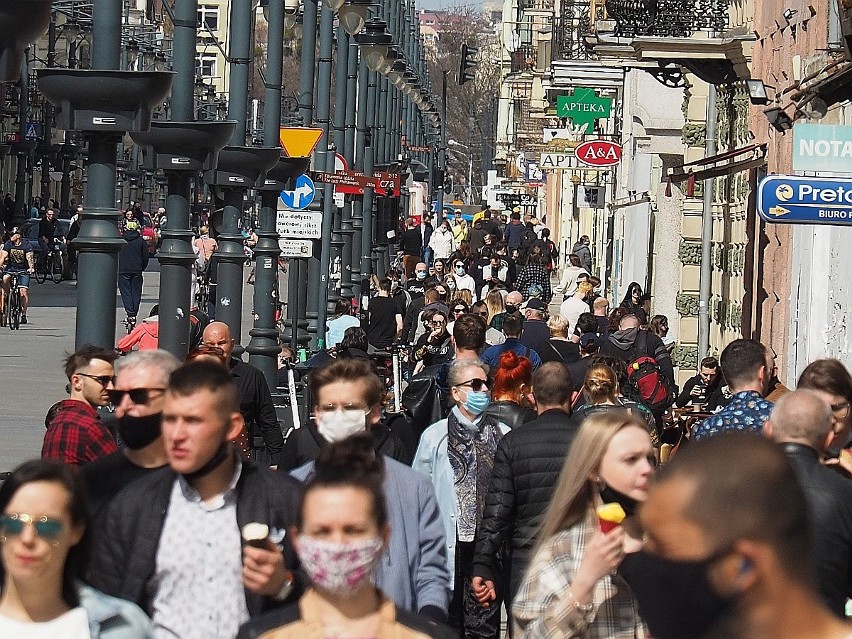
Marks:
<point>103,380</point>
<point>140,396</point>
<point>460,310</point>
<point>475,384</point>
<point>482,313</point>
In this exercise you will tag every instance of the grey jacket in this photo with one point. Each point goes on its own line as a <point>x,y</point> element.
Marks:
<point>413,571</point>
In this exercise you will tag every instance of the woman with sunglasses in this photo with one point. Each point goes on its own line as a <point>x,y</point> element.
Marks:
<point>458,307</point>
<point>43,518</point>
<point>571,588</point>
<point>457,454</point>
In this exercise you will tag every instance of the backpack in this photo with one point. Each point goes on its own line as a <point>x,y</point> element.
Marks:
<point>648,384</point>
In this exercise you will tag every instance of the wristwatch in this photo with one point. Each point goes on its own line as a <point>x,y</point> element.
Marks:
<point>286,589</point>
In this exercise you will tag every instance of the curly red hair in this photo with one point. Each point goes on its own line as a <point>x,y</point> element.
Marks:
<point>512,371</point>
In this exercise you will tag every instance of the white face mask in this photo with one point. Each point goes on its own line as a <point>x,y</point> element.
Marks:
<point>337,425</point>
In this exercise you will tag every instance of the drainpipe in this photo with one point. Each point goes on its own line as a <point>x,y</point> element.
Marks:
<point>707,233</point>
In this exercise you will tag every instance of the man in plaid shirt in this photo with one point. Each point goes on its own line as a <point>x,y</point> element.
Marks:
<point>76,435</point>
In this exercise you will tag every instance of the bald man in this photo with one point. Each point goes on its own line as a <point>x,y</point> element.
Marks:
<point>255,399</point>
<point>801,422</point>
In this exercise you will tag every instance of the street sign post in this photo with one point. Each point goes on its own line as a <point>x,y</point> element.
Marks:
<point>583,106</point>
<point>300,197</point>
<point>790,199</point>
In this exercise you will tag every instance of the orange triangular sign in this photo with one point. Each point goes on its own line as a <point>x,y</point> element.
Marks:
<point>299,142</point>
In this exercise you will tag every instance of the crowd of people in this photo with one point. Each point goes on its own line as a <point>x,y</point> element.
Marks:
<point>191,515</point>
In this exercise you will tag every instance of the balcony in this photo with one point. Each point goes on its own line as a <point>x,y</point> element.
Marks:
<point>569,32</point>
<point>523,59</point>
<point>667,18</point>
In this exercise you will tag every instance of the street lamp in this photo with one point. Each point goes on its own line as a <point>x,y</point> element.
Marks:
<point>353,15</point>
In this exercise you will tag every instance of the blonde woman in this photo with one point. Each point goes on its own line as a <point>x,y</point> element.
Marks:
<point>602,390</point>
<point>496,309</point>
<point>571,588</point>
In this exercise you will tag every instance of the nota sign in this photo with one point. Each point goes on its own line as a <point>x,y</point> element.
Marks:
<point>599,153</point>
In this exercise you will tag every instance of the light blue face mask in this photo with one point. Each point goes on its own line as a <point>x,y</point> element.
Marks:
<point>421,275</point>
<point>477,401</point>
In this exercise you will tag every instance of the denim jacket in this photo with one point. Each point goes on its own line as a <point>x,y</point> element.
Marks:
<point>112,618</point>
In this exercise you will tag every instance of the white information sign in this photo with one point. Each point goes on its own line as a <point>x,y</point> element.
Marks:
<point>298,224</point>
<point>296,248</point>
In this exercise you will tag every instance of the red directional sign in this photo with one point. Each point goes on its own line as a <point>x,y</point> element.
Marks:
<point>354,183</point>
<point>599,153</point>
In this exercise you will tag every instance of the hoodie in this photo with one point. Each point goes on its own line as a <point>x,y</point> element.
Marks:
<point>631,343</point>
<point>133,256</point>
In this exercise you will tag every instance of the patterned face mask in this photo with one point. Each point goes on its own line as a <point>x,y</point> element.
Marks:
<point>339,567</point>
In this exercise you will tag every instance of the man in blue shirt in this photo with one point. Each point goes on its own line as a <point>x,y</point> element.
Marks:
<point>747,367</point>
<point>512,329</point>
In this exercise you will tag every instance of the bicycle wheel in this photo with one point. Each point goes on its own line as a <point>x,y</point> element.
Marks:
<point>57,267</point>
<point>41,269</point>
<point>14,308</point>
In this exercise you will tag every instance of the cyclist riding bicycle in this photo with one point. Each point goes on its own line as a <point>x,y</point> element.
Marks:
<point>17,257</point>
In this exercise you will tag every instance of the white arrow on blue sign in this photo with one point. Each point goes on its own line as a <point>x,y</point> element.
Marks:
<point>791,199</point>
<point>300,197</point>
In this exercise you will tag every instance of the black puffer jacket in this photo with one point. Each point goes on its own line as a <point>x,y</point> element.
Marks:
<point>526,470</point>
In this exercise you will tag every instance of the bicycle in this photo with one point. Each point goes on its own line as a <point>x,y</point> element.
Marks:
<point>51,264</point>
<point>13,307</point>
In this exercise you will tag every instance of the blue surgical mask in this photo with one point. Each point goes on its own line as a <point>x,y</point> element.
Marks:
<point>477,401</point>
<point>460,270</point>
<point>421,275</point>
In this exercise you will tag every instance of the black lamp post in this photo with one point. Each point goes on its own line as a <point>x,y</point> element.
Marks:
<point>104,103</point>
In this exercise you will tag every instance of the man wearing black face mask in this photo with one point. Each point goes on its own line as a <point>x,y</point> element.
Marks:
<point>140,387</point>
<point>727,551</point>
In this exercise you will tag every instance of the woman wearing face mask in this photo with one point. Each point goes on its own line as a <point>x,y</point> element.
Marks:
<point>463,281</point>
<point>442,241</point>
<point>571,588</point>
<point>44,516</point>
<point>463,254</point>
<point>511,396</point>
<point>341,534</point>
<point>457,454</point>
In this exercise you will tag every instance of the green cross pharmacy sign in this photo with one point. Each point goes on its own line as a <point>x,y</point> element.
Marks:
<point>583,106</point>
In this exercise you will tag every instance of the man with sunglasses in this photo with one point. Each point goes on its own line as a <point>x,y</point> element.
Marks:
<point>141,379</point>
<point>76,435</point>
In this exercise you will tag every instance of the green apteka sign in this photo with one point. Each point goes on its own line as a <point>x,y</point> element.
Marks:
<point>583,106</point>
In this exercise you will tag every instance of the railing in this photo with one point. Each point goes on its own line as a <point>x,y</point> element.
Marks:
<point>569,31</point>
<point>523,59</point>
<point>667,18</point>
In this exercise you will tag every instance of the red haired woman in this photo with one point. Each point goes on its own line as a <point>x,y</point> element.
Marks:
<point>511,397</point>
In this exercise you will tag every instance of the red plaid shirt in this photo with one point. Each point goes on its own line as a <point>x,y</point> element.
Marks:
<point>77,435</point>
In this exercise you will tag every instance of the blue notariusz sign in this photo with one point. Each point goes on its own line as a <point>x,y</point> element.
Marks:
<point>791,199</point>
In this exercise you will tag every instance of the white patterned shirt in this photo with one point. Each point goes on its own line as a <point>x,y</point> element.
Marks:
<point>197,589</point>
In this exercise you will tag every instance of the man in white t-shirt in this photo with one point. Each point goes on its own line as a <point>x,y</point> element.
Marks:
<point>576,305</point>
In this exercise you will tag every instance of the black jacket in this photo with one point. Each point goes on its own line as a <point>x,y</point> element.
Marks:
<point>125,540</point>
<point>830,501</point>
<point>411,242</point>
<point>510,413</point>
<point>257,408</point>
<point>303,446</point>
<point>526,469</point>
<point>133,256</point>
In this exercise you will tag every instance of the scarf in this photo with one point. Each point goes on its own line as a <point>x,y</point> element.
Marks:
<point>471,453</point>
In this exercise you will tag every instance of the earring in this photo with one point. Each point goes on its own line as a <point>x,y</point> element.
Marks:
<point>3,539</point>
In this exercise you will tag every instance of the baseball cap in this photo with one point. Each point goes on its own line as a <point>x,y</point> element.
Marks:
<point>588,338</point>
<point>15,230</point>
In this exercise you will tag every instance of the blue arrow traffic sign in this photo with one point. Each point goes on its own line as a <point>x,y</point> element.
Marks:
<point>791,199</point>
<point>300,197</point>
